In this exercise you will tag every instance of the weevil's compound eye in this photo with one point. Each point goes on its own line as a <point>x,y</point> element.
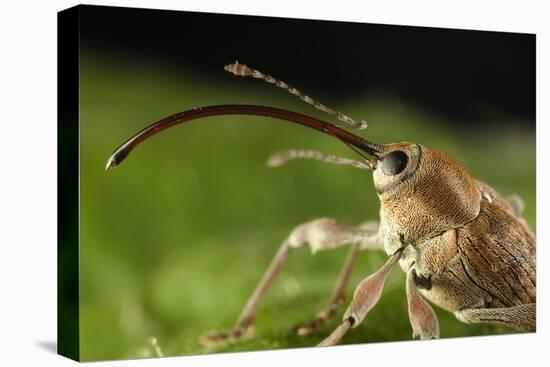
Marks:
<point>394,163</point>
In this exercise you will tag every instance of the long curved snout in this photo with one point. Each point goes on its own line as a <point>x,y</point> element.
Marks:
<point>369,151</point>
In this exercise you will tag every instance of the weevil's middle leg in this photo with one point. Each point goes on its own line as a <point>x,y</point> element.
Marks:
<point>337,297</point>
<point>319,234</point>
<point>369,241</point>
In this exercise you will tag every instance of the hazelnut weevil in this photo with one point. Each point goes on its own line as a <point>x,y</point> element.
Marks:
<point>462,245</point>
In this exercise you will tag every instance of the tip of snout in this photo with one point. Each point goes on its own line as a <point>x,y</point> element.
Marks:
<point>118,157</point>
<point>110,164</point>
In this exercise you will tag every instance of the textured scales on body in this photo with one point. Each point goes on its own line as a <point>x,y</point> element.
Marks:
<point>485,259</point>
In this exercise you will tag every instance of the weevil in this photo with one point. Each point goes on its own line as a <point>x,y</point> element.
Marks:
<point>462,245</point>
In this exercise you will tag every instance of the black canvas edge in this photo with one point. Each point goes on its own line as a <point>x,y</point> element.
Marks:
<point>288,17</point>
<point>68,315</point>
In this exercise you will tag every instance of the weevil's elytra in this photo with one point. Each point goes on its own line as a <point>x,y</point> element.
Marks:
<point>462,245</point>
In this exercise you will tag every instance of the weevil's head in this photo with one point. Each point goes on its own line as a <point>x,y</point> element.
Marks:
<point>423,191</point>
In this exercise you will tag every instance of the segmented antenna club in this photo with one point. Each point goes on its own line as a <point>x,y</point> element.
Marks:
<point>243,70</point>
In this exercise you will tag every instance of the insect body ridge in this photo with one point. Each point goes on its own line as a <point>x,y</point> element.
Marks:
<point>480,257</point>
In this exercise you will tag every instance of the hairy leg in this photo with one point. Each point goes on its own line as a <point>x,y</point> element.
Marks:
<point>423,320</point>
<point>366,296</point>
<point>370,241</point>
<point>319,234</point>
<point>521,317</point>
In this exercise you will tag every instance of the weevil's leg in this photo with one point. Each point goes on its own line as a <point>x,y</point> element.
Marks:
<point>521,317</point>
<point>369,240</point>
<point>319,234</point>
<point>372,240</point>
<point>337,297</point>
<point>245,321</point>
<point>365,298</point>
<point>421,315</point>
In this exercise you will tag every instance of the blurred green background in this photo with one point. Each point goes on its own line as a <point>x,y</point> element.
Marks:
<point>175,239</point>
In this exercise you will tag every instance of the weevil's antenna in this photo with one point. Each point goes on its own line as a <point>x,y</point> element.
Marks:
<point>243,70</point>
<point>283,156</point>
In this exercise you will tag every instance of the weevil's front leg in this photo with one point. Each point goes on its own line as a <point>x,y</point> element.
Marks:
<point>319,234</point>
<point>521,317</point>
<point>422,317</point>
<point>245,321</point>
<point>365,298</point>
<point>368,239</point>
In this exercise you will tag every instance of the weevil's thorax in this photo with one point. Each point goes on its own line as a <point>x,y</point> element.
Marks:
<point>423,193</point>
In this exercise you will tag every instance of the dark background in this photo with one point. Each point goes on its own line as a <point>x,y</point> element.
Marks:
<point>462,75</point>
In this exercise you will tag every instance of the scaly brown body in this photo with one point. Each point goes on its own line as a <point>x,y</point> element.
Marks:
<point>481,255</point>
